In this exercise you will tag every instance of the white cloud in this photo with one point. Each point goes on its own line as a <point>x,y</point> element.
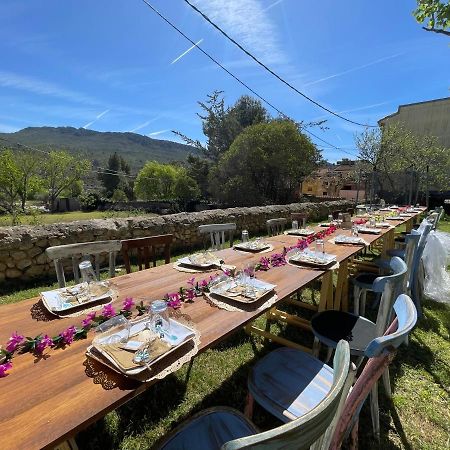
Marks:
<point>5,128</point>
<point>186,52</point>
<point>248,23</point>
<point>35,86</point>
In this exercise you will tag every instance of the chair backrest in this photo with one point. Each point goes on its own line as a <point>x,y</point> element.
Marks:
<point>390,286</point>
<point>300,217</point>
<point>80,252</point>
<point>351,211</point>
<point>309,429</point>
<point>336,213</point>
<point>275,226</point>
<point>440,212</point>
<point>412,243</point>
<point>146,250</point>
<point>216,232</point>
<point>414,284</point>
<point>381,352</point>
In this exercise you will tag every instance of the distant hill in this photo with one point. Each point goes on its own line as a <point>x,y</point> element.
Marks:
<point>97,146</point>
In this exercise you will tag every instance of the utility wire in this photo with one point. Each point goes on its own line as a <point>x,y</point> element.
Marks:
<point>268,69</point>
<point>230,73</point>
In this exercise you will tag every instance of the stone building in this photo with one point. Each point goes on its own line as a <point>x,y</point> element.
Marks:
<point>424,118</point>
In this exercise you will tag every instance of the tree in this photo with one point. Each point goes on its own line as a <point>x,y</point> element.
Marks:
<point>115,174</point>
<point>60,171</point>
<point>9,181</point>
<point>265,164</point>
<point>157,181</point>
<point>436,15</point>
<point>198,169</point>
<point>221,125</point>
<point>405,161</point>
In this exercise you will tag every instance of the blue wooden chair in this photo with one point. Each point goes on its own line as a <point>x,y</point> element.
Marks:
<point>228,429</point>
<point>289,383</point>
<point>381,352</point>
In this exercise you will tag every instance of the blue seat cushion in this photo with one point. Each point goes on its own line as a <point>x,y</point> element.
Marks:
<point>209,429</point>
<point>289,383</point>
<point>365,280</point>
<point>332,326</point>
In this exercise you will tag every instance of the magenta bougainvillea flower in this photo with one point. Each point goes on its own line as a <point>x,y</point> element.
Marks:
<point>175,304</point>
<point>108,311</point>
<point>128,303</point>
<point>86,323</point>
<point>4,367</point>
<point>191,281</point>
<point>46,341</point>
<point>14,341</point>
<point>190,294</point>
<point>68,335</point>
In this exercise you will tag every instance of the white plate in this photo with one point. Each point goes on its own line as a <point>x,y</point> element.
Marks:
<point>313,258</point>
<point>366,230</point>
<point>186,261</point>
<point>247,246</point>
<point>222,288</point>
<point>54,301</point>
<point>179,334</point>
<point>352,240</point>
<point>301,232</point>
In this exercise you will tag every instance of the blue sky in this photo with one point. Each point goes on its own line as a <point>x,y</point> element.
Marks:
<point>108,65</point>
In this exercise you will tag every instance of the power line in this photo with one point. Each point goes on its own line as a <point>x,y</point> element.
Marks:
<point>230,73</point>
<point>271,71</point>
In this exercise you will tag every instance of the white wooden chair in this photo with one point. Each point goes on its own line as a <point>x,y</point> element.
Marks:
<point>80,252</point>
<point>216,232</point>
<point>275,226</point>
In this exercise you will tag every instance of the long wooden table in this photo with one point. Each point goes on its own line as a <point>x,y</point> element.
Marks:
<point>47,400</point>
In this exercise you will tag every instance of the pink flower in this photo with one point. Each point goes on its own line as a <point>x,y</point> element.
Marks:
<point>45,342</point>
<point>175,296</point>
<point>14,341</point>
<point>108,311</point>
<point>190,294</point>
<point>128,303</point>
<point>277,260</point>
<point>204,283</point>
<point>191,281</point>
<point>85,323</point>
<point>264,263</point>
<point>68,335</point>
<point>4,368</point>
<point>175,304</point>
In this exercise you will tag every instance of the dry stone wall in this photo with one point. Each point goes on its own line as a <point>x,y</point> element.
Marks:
<point>22,248</point>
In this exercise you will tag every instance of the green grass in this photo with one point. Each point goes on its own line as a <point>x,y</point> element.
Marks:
<point>418,417</point>
<point>42,219</point>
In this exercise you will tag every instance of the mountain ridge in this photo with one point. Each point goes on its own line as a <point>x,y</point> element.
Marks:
<point>98,145</point>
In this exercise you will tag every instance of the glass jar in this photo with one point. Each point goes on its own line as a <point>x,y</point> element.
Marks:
<point>159,317</point>
<point>295,225</point>
<point>245,236</point>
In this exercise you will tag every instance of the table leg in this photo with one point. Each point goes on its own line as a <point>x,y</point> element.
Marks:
<point>409,225</point>
<point>326,291</point>
<point>341,294</point>
<point>388,242</point>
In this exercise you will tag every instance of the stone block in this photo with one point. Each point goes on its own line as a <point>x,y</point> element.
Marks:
<point>42,258</point>
<point>34,252</point>
<point>35,271</point>
<point>13,273</point>
<point>17,256</point>
<point>22,264</point>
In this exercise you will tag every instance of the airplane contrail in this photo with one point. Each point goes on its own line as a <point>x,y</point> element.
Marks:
<point>155,133</point>
<point>272,5</point>
<point>186,52</point>
<point>97,118</point>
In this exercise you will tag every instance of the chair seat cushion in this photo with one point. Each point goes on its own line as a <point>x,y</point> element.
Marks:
<point>209,429</point>
<point>332,326</point>
<point>289,383</point>
<point>365,280</point>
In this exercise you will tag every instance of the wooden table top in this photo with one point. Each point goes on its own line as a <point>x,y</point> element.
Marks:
<point>46,400</point>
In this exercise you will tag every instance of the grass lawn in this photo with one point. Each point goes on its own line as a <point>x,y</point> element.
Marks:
<point>417,418</point>
<point>42,219</point>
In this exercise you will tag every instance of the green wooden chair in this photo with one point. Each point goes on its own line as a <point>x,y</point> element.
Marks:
<point>228,429</point>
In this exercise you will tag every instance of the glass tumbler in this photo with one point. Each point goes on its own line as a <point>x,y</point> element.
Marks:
<point>245,236</point>
<point>320,246</point>
<point>87,274</point>
<point>295,225</point>
<point>159,317</point>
